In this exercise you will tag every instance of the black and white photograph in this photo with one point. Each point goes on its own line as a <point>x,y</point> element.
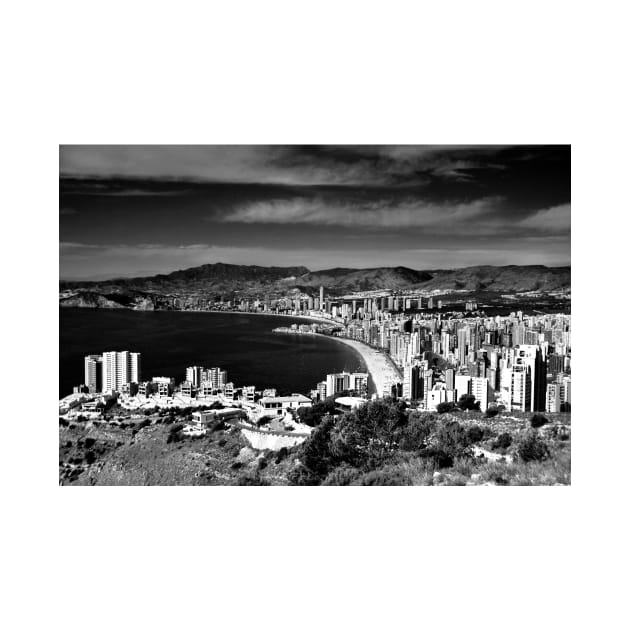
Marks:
<point>307,280</point>
<point>315,315</point>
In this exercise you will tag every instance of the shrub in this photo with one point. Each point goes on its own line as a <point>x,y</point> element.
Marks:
<point>436,457</point>
<point>538,420</point>
<point>89,442</point>
<point>63,422</point>
<point>418,429</point>
<point>281,454</point>
<point>491,412</point>
<point>504,440</point>
<point>251,480</point>
<point>342,476</point>
<point>383,478</point>
<point>444,407</point>
<point>452,438</point>
<point>467,403</point>
<point>174,433</point>
<point>301,476</point>
<point>90,457</point>
<point>475,434</point>
<point>531,447</point>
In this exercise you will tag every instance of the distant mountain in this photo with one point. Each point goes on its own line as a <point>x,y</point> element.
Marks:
<point>222,279</point>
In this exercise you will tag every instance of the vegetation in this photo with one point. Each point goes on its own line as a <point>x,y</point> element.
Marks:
<point>467,402</point>
<point>381,443</point>
<point>538,421</point>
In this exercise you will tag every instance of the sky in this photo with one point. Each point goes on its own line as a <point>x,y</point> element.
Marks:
<point>136,210</point>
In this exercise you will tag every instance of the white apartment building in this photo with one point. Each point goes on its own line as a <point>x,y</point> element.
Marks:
<point>118,368</point>
<point>479,388</point>
<point>279,404</point>
<point>553,398</point>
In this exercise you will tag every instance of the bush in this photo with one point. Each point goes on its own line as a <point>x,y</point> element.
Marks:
<point>467,403</point>
<point>90,457</point>
<point>383,478</point>
<point>251,480</point>
<point>89,442</point>
<point>174,433</point>
<point>452,439</point>
<point>475,434</point>
<point>437,457</point>
<point>281,454</point>
<point>504,440</point>
<point>415,434</point>
<point>491,412</point>
<point>531,447</point>
<point>342,476</point>
<point>301,476</point>
<point>444,407</point>
<point>538,420</point>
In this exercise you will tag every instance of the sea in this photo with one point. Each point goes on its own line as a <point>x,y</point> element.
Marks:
<point>170,341</point>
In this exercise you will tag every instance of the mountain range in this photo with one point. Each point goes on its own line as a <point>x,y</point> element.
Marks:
<point>220,278</point>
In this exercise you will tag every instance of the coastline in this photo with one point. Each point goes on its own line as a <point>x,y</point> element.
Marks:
<point>378,364</point>
<point>311,318</point>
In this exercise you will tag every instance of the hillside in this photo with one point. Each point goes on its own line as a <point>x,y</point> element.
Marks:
<point>454,448</point>
<point>221,278</point>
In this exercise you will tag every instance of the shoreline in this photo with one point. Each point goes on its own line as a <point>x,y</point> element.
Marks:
<point>312,318</point>
<point>379,365</point>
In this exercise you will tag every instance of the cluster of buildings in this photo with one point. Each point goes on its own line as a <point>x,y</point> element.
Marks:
<point>356,382</point>
<point>521,362</point>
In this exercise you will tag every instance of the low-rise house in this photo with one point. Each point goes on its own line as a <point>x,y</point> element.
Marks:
<point>278,405</point>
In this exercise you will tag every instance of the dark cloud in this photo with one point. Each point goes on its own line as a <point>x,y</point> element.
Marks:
<point>367,203</point>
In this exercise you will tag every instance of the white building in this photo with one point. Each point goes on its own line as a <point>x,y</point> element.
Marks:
<point>194,375</point>
<point>553,398</point>
<point>118,368</point>
<point>479,388</point>
<point>462,385</point>
<point>280,404</point>
<point>163,385</point>
<point>439,394</point>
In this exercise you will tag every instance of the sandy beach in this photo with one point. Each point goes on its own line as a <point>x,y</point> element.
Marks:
<point>379,365</point>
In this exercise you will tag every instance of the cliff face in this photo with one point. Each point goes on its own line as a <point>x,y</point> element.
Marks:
<point>92,299</point>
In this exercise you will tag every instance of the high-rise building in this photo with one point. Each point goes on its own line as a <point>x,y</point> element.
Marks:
<point>449,377</point>
<point>321,390</point>
<point>321,297</point>
<point>120,367</point>
<point>93,373</point>
<point>553,401</point>
<point>535,359</point>
<point>462,385</point>
<point>217,377</point>
<point>479,389</point>
<point>336,383</point>
<point>359,383</point>
<point>194,375</point>
<point>520,388</point>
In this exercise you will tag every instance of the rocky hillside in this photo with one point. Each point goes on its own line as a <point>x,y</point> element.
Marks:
<point>253,280</point>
